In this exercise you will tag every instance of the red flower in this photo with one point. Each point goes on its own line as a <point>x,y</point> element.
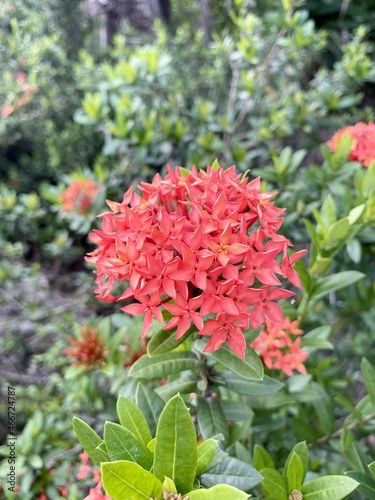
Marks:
<point>278,347</point>
<point>363,146</point>
<point>79,196</point>
<point>203,246</point>
<point>89,350</point>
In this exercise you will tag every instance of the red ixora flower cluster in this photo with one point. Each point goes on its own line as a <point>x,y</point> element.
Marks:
<point>79,196</point>
<point>278,348</point>
<point>203,245</point>
<point>363,147</point>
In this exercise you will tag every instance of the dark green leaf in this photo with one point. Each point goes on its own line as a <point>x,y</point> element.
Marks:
<point>211,418</point>
<point>233,472</point>
<point>150,404</point>
<point>163,365</point>
<point>165,341</point>
<point>248,387</point>
<point>368,373</point>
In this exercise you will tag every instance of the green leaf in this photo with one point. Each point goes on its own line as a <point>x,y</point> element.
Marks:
<point>206,452</point>
<point>150,404</point>
<point>367,483</point>
<point>122,444</point>
<point>184,385</point>
<point>274,484</point>
<point>262,459</point>
<point>165,341</point>
<point>163,365</point>
<point>176,446</point>
<point>169,485</point>
<point>328,212</point>
<point>90,440</point>
<point>128,480</point>
<point>234,411</point>
<point>356,213</point>
<point>317,338</point>
<point>302,451</point>
<point>251,367</point>
<point>248,387</point>
<point>368,373</point>
<point>328,488</point>
<point>337,233</point>
<point>324,408</point>
<point>372,468</point>
<point>218,492</point>
<point>294,472</point>
<point>324,286</point>
<point>211,418</point>
<point>132,418</point>
<point>233,472</point>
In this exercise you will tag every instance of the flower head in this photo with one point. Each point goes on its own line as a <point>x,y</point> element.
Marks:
<point>204,247</point>
<point>363,146</point>
<point>89,350</point>
<point>279,346</point>
<point>79,196</point>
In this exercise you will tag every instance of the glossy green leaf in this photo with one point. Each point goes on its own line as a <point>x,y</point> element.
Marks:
<point>122,444</point>
<point>129,480</point>
<point>90,440</point>
<point>218,492</point>
<point>328,488</point>
<point>294,472</point>
<point>248,387</point>
<point>367,483</point>
<point>335,282</point>
<point>368,373</point>
<point>176,446</point>
<point>234,472</point>
<point>163,365</point>
<point>274,484</point>
<point>302,451</point>
<point>262,459</point>
<point>150,404</point>
<point>183,385</point>
<point>165,341</point>
<point>251,367</point>
<point>132,418</point>
<point>235,411</point>
<point>211,418</point>
<point>206,452</point>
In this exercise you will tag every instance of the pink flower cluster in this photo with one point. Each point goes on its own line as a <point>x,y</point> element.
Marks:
<point>278,349</point>
<point>85,470</point>
<point>204,246</point>
<point>363,147</point>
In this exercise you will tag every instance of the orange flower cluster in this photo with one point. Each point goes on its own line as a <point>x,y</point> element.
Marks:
<point>363,147</point>
<point>79,196</point>
<point>27,92</point>
<point>278,349</point>
<point>89,350</point>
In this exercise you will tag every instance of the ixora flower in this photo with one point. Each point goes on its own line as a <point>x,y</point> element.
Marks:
<point>363,147</point>
<point>88,350</point>
<point>279,346</point>
<point>202,245</point>
<point>79,196</point>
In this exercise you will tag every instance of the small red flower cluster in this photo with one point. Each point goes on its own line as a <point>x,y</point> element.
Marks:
<point>277,348</point>
<point>203,246</point>
<point>363,147</point>
<point>84,472</point>
<point>79,196</point>
<point>89,350</point>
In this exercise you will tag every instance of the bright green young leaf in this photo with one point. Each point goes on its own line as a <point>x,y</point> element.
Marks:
<point>90,440</point>
<point>165,341</point>
<point>274,484</point>
<point>354,249</point>
<point>356,213</point>
<point>132,418</point>
<point>248,387</point>
<point>127,480</point>
<point>328,212</point>
<point>335,282</point>
<point>262,459</point>
<point>251,367</point>
<point>122,444</point>
<point>176,446</point>
<point>163,365</point>
<point>151,445</point>
<point>234,472</point>
<point>294,472</point>
<point>211,418</point>
<point>150,404</point>
<point>302,451</point>
<point>337,233</point>
<point>206,452</point>
<point>218,492</point>
<point>328,488</point>
<point>368,373</point>
<point>169,485</point>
